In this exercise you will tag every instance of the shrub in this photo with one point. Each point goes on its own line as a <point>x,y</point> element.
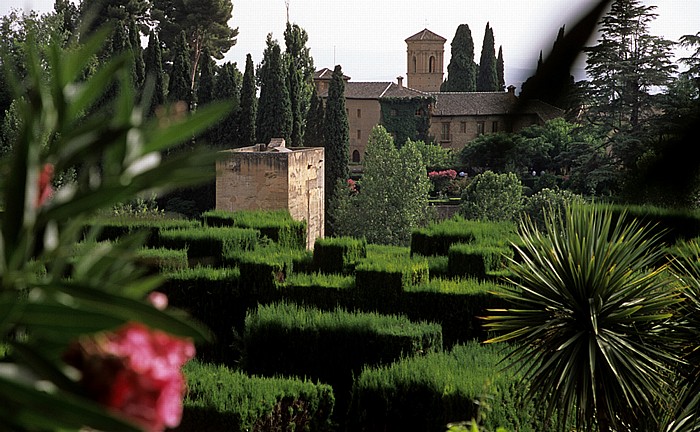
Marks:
<point>330,346</point>
<point>161,259</point>
<point>113,228</point>
<point>548,200</point>
<point>338,254</point>
<point>320,290</point>
<point>425,393</point>
<point>277,225</point>
<point>221,399</point>
<point>456,304</point>
<point>476,260</point>
<point>379,282</point>
<point>492,197</point>
<point>437,238</point>
<point>211,242</point>
<point>213,297</point>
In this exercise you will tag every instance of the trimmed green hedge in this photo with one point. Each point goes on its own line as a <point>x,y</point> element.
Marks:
<point>210,243</point>
<point>437,238</point>
<point>213,297</point>
<point>265,267</point>
<point>320,290</point>
<point>477,260</point>
<point>456,304</point>
<point>161,259</point>
<point>425,393</point>
<point>379,282</point>
<point>219,399</point>
<point>277,225</point>
<point>338,254</point>
<point>288,339</point>
<point>113,228</point>
<point>673,224</point>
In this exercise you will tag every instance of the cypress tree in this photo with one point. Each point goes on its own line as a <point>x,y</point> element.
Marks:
<point>248,107</point>
<point>139,66</point>
<point>461,72</point>
<point>487,80</point>
<point>154,71</point>
<point>500,70</point>
<point>337,134</point>
<point>274,119</point>
<point>179,86</point>
<point>313,136</point>
<point>207,70</point>
<point>228,87</point>
<point>300,78</point>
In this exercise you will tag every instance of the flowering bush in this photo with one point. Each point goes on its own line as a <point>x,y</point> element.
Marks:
<point>136,372</point>
<point>442,181</point>
<point>90,311</point>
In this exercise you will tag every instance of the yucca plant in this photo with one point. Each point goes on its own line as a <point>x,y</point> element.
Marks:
<point>686,268</point>
<point>590,308</point>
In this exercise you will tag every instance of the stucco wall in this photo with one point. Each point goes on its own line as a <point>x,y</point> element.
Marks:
<point>370,116</point>
<point>270,180</point>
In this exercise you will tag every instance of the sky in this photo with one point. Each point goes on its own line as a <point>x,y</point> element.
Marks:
<point>366,37</point>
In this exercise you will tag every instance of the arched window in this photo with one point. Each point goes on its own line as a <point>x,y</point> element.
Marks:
<point>431,64</point>
<point>414,64</point>
<point>356,156</point>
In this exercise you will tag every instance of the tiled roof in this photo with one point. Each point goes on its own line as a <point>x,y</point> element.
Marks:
<point>326,74</point>
<point>489,103</point>
<point>424,35</point>
<point>376,90</point>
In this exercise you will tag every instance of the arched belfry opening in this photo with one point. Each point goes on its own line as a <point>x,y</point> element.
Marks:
<point>425,64</point>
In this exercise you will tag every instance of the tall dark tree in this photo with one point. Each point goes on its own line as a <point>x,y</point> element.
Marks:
<point>204,22</point>
<point>500,70</point>
<point>299,78</point>
<point>228,88</point>
<point>626,64</point>
<point>153,65</point>
<point>315,123</point>
<point>247,113</point>
<point>487,79</point>
<point>96,13</point>
<point>207,74</point>
<point>274,117</point>
<point>337,140</point>
<point>179,88</point>
<point>461,72</point>
<point>137,50</point>
<point>68,12</point>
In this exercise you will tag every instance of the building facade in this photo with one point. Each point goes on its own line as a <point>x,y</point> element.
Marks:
<point>425,53</point>
<point>274,177</point>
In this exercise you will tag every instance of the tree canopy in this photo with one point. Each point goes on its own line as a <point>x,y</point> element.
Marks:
<point>487,79</point>
<point>274,117</point>
<point>337,140</point>
<point>461,72</point>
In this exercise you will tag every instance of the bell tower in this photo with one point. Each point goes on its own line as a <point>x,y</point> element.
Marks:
<point>425,53</point>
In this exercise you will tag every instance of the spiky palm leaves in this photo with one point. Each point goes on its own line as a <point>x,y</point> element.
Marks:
<point>590,301</point>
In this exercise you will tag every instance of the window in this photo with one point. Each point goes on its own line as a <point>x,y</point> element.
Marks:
<point>445,134</point>
<point>480,127</point>
<point>494,127</point>
<point>463,127</point>
<point>347,111</point>
<point>419,112</point>
<point>431,64</point>
<point>359,134</point>
<point>414,64</point>
<point>359,113</point>
<point>356,156</point>
<point>394,113</point>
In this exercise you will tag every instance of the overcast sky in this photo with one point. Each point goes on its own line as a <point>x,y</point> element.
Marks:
<point>367,36</point>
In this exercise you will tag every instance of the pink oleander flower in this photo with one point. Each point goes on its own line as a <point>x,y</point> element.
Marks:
<point>45,189</point>
<point>136,372</point>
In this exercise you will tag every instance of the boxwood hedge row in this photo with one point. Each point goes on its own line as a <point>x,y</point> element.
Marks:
<point>219,399</point>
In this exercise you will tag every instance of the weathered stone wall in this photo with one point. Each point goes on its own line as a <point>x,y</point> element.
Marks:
<point>306,190</point>
<point>273,180</point>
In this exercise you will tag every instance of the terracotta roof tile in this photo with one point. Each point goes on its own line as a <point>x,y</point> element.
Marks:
<point>327,74</point>
<point>426,34</point>
<point>376,90</point>
<point>488,103</point>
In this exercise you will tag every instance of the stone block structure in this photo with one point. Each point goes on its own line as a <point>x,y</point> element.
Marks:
<point>273,177</point>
